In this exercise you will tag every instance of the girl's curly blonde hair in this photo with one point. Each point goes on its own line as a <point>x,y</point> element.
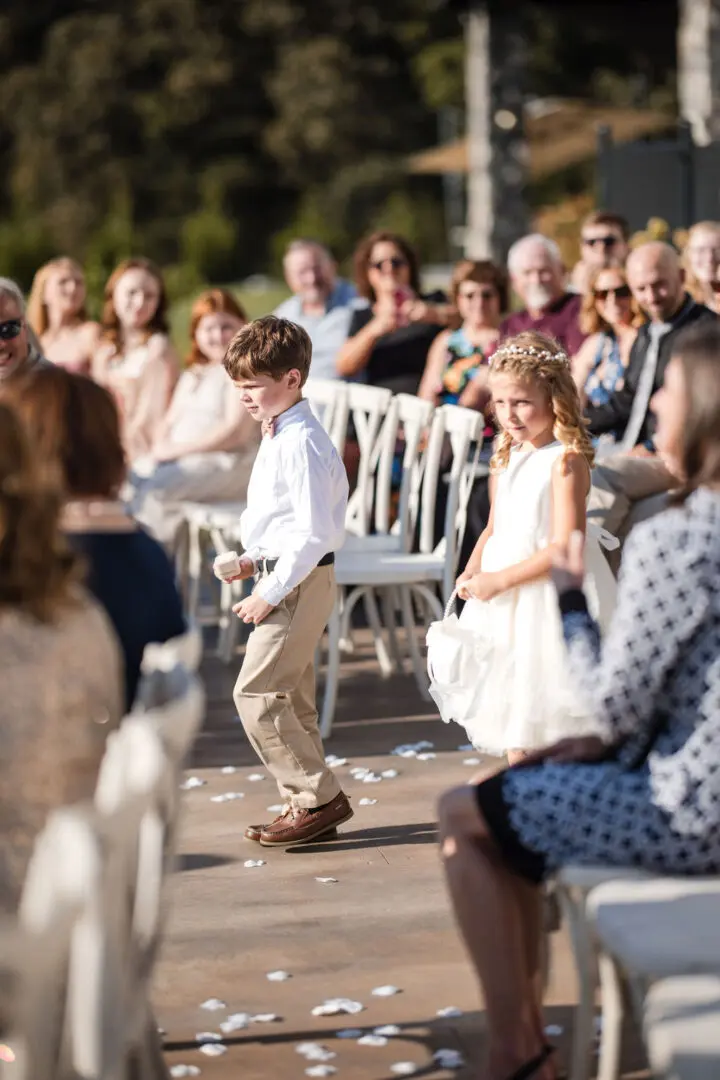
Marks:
<point>537,358</point>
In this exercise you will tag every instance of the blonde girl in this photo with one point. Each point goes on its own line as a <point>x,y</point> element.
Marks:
<point>56,312</point>
<point>539,486</point>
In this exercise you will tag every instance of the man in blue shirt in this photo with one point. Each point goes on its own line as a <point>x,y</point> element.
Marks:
<point>322,303</point>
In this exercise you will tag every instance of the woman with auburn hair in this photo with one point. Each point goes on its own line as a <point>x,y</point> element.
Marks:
<point>701,262</point>
<point>206,444</point>
<point>56,312</point>
<point>643,791</point>
<point>60,667</point>
<point>611,317</point>
<point>456,372</point>
<point>389,338</point>
<point>135,359</point>
<point>75,429</point>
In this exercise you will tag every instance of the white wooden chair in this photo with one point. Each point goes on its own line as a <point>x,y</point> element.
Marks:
<point>328,399</point>
<point>419,573</point>
<point>137,803</point>
<point>649,930</point>
<point>681,1025</point>
<point>71,1019</point>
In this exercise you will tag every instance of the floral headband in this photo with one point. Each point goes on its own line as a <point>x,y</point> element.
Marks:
<point>544,355</point>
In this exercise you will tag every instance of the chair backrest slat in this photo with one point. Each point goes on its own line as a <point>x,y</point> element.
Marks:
<point>328,399</point>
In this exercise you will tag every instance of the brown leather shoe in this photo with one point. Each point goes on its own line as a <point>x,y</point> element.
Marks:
<point>253,832</point>
<point>301,826</point>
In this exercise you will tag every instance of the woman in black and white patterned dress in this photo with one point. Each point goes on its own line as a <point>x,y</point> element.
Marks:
<point>646,794</point>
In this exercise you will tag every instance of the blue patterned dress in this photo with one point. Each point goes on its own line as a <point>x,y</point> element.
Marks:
<point>655,689</point>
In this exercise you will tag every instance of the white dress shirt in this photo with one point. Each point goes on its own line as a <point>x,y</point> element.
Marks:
<point>296,501</point>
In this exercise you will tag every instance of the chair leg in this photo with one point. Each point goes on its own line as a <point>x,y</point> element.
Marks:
<point>389,605</point>
<point>419,669</point>
<point>332,673</point>
<point>147,1061</point>
<point>373,615</point>
<point>613,1012</point>
<point>194,570</point>
<point>573,907</point>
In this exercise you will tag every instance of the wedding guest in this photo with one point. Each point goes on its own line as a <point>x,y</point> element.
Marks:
<point>60,666</point>
<point>19,347</point>
<point>389,339</point>
<point>604,240</point>
<point>74,426</point>
<point>207,441</point>
<point>135,359</point>
<point>456,369</point>
<point>538,277</point>
<point>644,792</point>
<point>610,315</point>
<point>56,311</point>
<point>321,303</point>
<point>701,262</point>
<point>633,483</point>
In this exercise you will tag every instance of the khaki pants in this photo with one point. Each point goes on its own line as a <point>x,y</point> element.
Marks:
<point>275,692</point>
<point>627,490</point>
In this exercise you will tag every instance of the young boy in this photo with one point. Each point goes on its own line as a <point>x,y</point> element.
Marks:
<point>293,524</point>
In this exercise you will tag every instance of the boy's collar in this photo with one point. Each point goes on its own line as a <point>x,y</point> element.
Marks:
<point>279,422</point>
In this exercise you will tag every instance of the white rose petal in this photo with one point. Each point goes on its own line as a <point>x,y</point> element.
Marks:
<point>426,757</point>
<point>367,802</point>
<point>386,991</point>
<point>372,1040</point>
<point>466,747</point>
<point>213,1049</point>
<point>213,1005</point>
<point>236,1022</point>
<point>255,776</point>
<point>371,778</point>
<point>265,1018</point>
<point>277,809</point>
<point>321,1070</point>
<point>250,864</point>
<point>184,1070</point>
<point>449,1059</point>
<point>387,1029</point>
<point>471,761</point>
<point>450,1012</point>
<point>327,880</point>
<point>279,976</point>
<point>314,1052</point>
<point>334,762</point>
<point>208,1036</point>
<point>389,774</point>
<point>404,1068</point>
<point>228,770</point>
<point>192,782</point>
<point>348,1033</point>
<point>335,1006</point>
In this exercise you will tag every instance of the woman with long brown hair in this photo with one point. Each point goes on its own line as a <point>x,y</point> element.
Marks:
<point>60,667</point>
<point>207,441</point>
<point>644,792</point>
<point>135,359</point>
<point>57,313</point>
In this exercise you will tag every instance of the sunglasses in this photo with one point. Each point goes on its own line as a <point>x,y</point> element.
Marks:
<point>10,329</point>
<point>396,262</point>
<point>620,292</point>
<point>606,241</point>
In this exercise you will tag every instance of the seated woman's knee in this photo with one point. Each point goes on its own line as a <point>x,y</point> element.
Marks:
<point>459,813</point>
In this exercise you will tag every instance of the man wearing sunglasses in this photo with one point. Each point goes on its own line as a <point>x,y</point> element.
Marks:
<point>632,484</point>
<point>19,352</point>
<point>603,242</point>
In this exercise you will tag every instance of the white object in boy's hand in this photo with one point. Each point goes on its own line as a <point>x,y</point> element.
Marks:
<point>229,566</point>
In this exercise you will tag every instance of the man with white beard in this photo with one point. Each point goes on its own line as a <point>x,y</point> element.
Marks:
<point>538,277</point>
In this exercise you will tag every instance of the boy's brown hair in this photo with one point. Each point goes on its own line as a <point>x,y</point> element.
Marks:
<point>269,346</point>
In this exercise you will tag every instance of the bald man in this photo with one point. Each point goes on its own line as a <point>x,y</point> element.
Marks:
<point>632,484</point>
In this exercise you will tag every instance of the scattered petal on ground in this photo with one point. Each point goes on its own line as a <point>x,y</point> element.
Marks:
<point>213,1005</point>
<point>228,770</point>
<point>327,880</point>
<point>334,762</point>
<point>450,1012</point>
<point>277,809</point>
<point>449,1059</point>
<point>279,976</point>
<point>409,750</point>
<point>255,776</point>
<point>466,747</point>
<point>314,1052</point>
<point>372,1040</point>
<point>553,1031</point>
<point>386,991</point>
<point>321,1070</point>
<point>359,771</point>
<point>192,782</point>
<point>335,1006</point>
<point>367,802</point>
<point>213,1049</point>
<point>236,1022</point>
<point>348,1033</point>
<point>184,1070</point>
<point>252,863</point>
<point>471,761</point>
<point>389,774</point>
<point>387,1029</point>
<point>404,1068</point>
<point>371,778</point>
<point>208,1036</point>
<point>265,1018</point>
<point>426,757</point>
<point>227,796</point>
